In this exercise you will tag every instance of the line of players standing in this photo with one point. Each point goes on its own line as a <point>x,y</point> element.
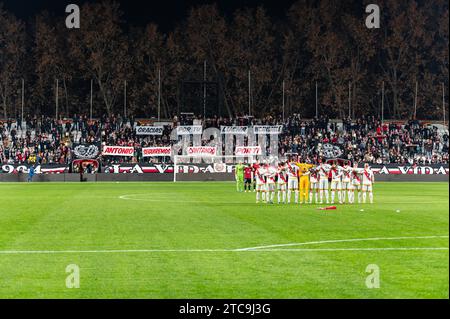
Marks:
<point>309,182</point>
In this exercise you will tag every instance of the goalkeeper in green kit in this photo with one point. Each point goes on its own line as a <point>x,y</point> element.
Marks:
<point>239,175</point>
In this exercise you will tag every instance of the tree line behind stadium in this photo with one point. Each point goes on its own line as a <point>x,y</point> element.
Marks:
<point>320,49</point>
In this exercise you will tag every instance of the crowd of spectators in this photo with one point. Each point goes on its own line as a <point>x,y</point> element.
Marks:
<point>44,140</point>
<point>367,140</point>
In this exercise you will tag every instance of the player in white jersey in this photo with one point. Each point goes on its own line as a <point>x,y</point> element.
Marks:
<point>260,177</point>
<point>323,170</point>
<point>292,172</point>
<point>336,174</point>
<point>282,183</point>
<point>367,180</point>
<point>271,173</point>
<point>313,185</point>
<point>355,183</point>
<point>346,182</point>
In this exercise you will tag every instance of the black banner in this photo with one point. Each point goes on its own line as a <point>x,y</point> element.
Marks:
<point>86,151</point>
<point>330,150</point>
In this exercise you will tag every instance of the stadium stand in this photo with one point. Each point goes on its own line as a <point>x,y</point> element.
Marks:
<point>45,140</point>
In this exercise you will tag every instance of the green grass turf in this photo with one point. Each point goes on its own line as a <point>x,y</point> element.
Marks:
<point>187,216</point>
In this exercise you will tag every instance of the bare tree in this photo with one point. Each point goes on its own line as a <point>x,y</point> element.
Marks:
<point>12,50</point>
<point>327,46</point>
<point>206,40</point>
<point>100,50</point>
<point>404,47</point>
<point>323,41</point>
<point>51,53</point>
<point>252,45</point>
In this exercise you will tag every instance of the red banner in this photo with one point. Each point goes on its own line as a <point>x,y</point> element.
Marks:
<point>247,150</point>
<point>156,151</point>
<point>118,150</point>
<point>201,151</point>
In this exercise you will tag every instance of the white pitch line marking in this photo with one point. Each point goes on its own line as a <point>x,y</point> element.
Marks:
<point>339,241</point>
<point>11,252</point>
<point>163,199</point>
<point>271,248</point>
<point>350,249</point>
<point>173,201</point>
<point>49,252</point>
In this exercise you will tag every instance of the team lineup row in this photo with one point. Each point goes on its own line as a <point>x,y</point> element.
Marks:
<point>306,182</point>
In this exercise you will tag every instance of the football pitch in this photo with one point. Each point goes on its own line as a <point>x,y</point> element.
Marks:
<point>205,240</point>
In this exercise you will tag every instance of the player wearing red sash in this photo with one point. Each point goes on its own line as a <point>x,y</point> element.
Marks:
<point>271,173</point>
<point>255,166</point>
<point>313,185</point>
<point>282,182</point>
<point>355,184</point>
<point>367,181</point>
<point>324,170</point>
<point>336,185</point>
<point>260,183</point>
<point>346,182</point>
<point>292,172</point>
